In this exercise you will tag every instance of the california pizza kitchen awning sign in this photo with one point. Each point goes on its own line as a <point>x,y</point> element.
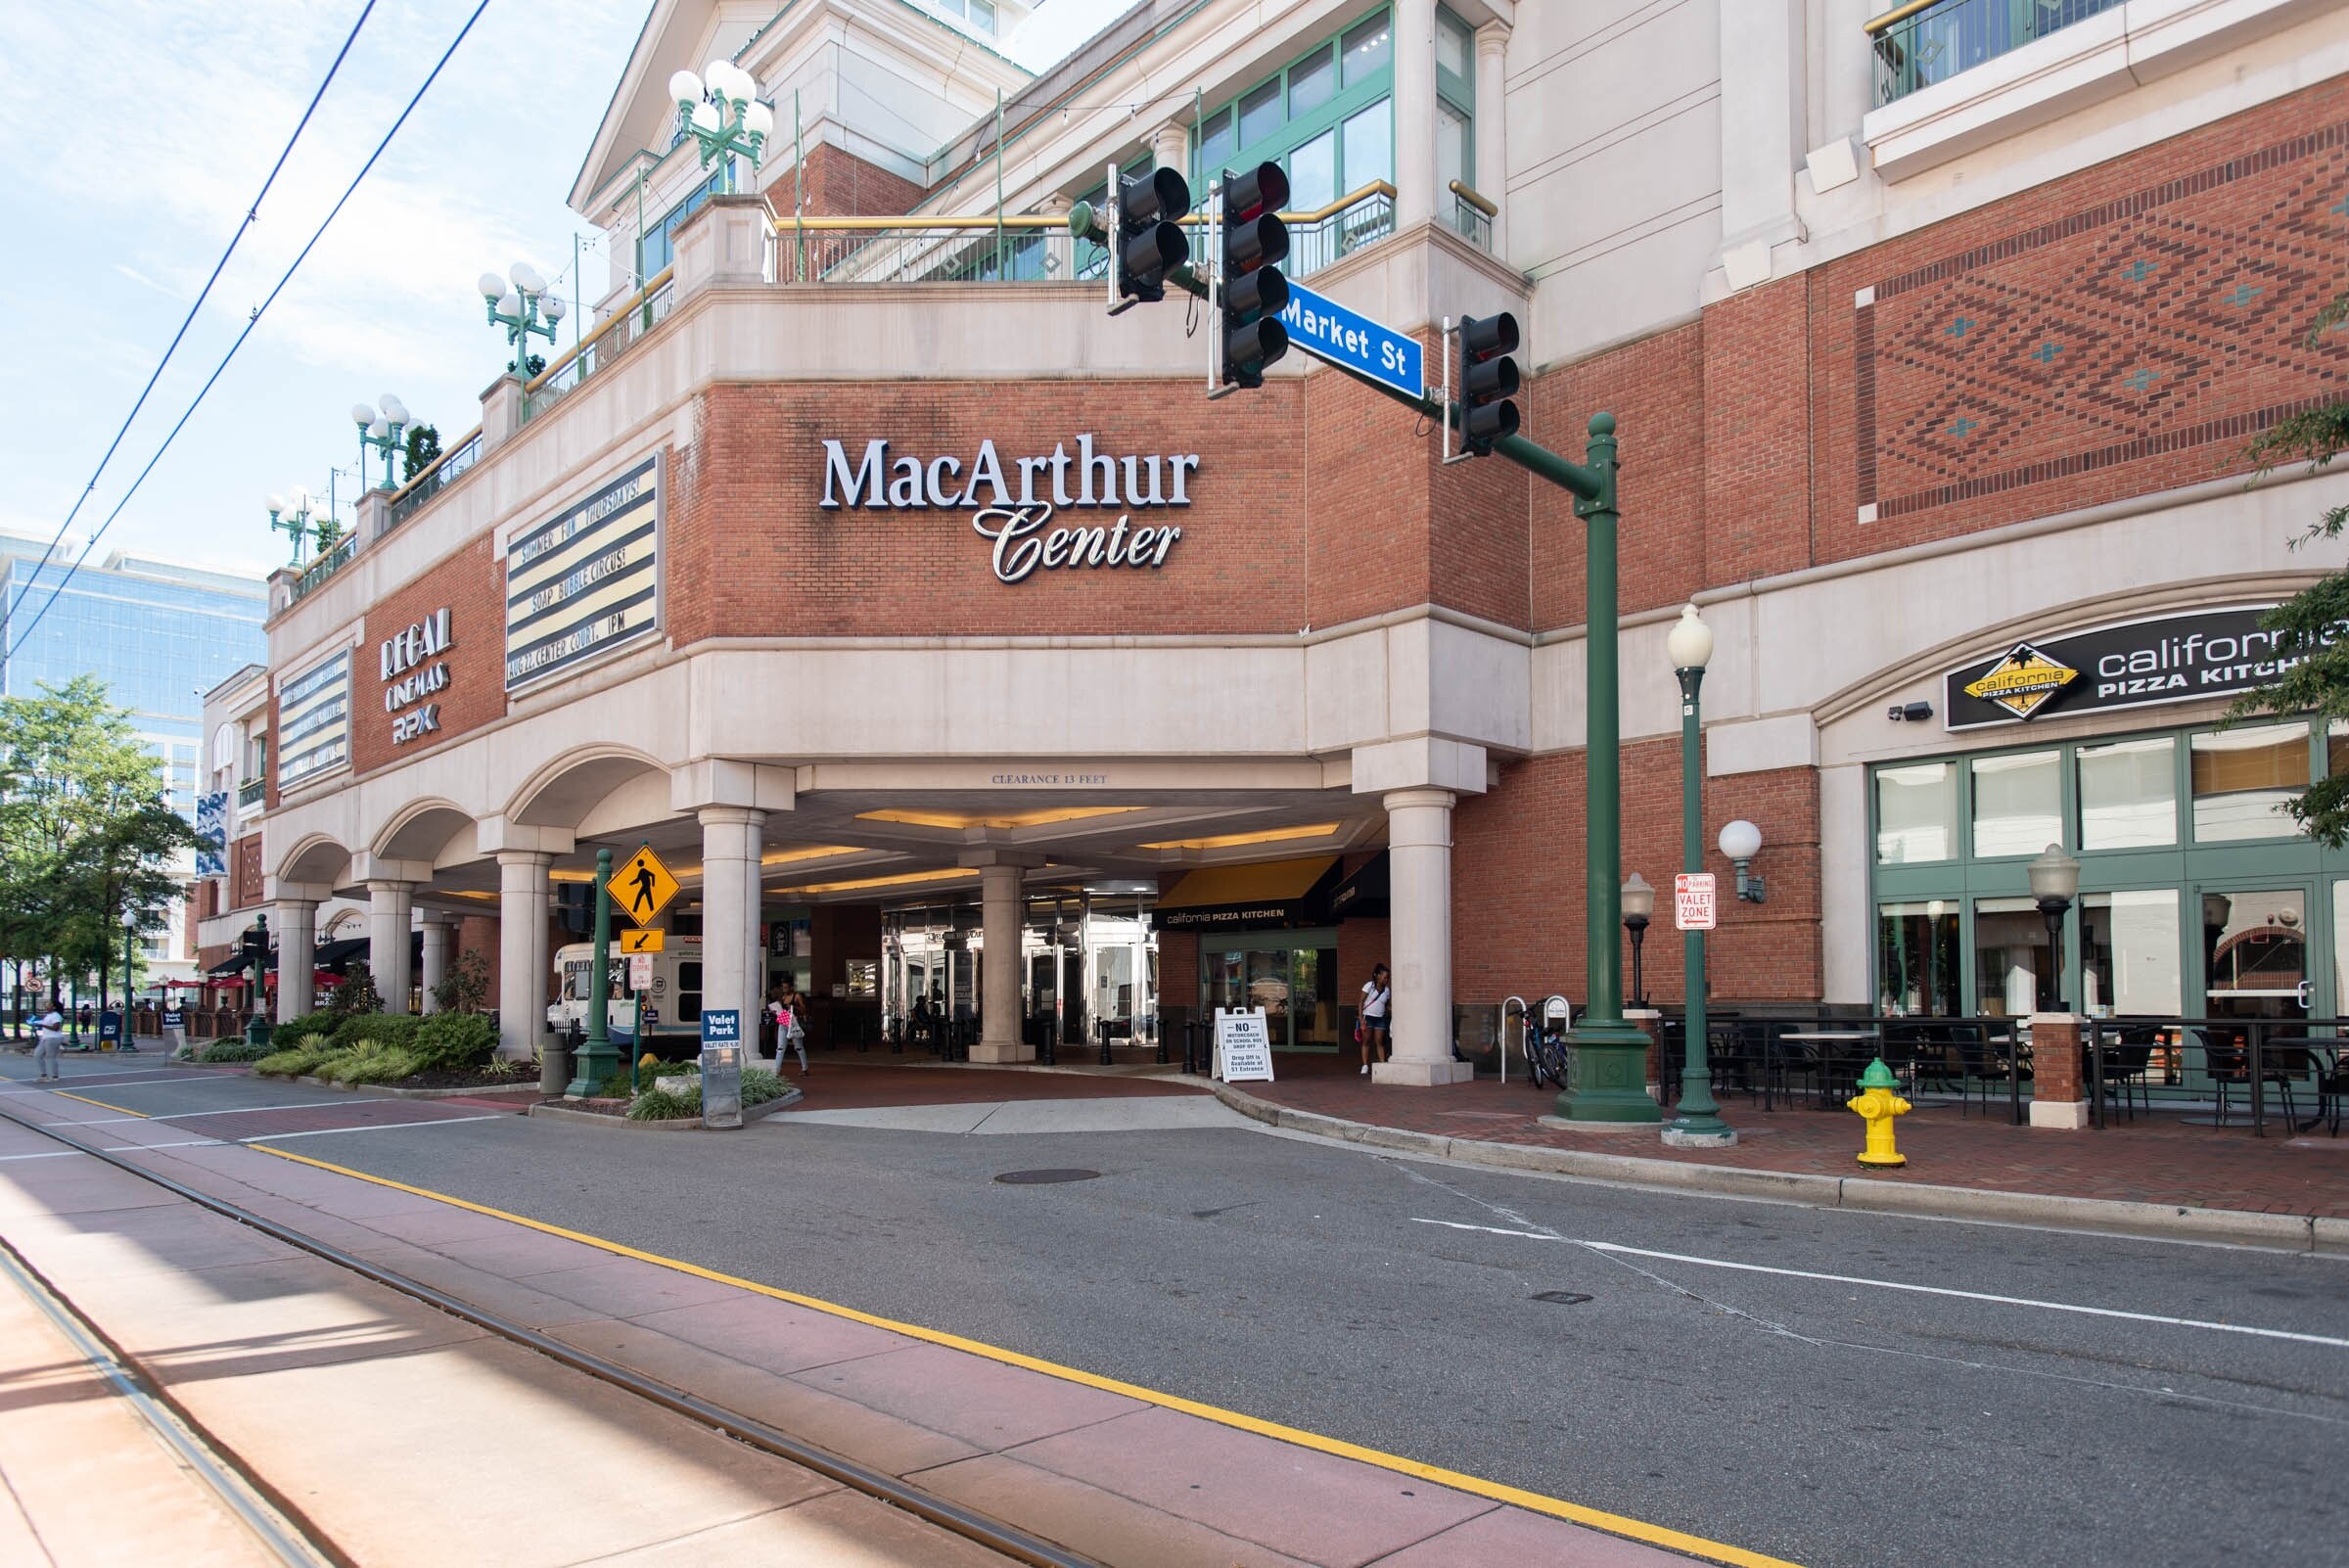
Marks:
<point>2137,664</point>
<point>1014,500</point>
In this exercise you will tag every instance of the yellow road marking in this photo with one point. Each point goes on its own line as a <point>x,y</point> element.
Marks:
<point>1558,1507</point>
<point>103,1105</point>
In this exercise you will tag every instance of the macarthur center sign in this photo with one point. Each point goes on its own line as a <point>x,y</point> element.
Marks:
<point>1013,501</point>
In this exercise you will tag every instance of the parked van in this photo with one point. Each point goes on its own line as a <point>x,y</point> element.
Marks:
<point>672,1003</point>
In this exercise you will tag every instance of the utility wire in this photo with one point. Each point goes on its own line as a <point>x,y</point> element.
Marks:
<point>250,322</point>
<point>252,215</point>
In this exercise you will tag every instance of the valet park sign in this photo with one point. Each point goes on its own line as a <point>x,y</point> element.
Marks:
<point>1013,501</point>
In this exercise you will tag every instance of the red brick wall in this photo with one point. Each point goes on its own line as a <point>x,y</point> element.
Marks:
<point>834,183</point>
<point>472,585</point>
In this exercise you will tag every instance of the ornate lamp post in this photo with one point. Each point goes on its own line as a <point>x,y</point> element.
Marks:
<point>381,432</point>
<point>130,932</point>
<point>290,515</point>
<point>524,308</point>
<point>256,949</point>
<point>2054,883</point>
<point>1698,1124</point>
<point>722,110</point>
<point>1639,903</point>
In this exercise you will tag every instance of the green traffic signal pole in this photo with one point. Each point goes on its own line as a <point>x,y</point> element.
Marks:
<point>596,1057</point>
<point>1609,1081</point>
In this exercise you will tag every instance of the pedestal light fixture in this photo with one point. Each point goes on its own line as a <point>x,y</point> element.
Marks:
<point>290,515</point>
<point>1740,841</point>
<point>1639,903</point>
<point>521,304</point>
<point>1690,647</point>
<point>381,431</point>
<point>130,932</point>
<point>720,110</point>
<point>2055,883</point>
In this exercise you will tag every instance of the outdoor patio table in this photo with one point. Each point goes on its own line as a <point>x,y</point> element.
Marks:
<point>1827,1037</point>
<point>2328,1050</point>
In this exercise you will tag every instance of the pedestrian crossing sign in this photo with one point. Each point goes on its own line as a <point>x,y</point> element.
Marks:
<point>642,887</point>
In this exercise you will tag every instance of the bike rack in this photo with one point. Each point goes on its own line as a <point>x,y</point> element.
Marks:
<point>1519,1003</point>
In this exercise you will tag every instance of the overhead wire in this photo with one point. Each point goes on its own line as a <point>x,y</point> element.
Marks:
<point>253,213</point>
<point>250,322</point>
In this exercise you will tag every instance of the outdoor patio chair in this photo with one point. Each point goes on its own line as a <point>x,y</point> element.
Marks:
<point>2226,1059</point>
<point>2128,1059</point>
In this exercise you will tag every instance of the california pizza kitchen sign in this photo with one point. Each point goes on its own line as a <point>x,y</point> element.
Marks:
<point>412,670</point>
<point>1013,501</point>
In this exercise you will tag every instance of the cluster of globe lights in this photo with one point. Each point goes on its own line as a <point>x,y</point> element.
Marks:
<point>521,282</point>
<point>395,416</point>
<point>725,80</point>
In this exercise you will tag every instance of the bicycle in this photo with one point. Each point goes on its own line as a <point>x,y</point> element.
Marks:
<point>1548,1056</point>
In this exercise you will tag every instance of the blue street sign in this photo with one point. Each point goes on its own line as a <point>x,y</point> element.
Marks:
<point>1328,330</point>
<point>722,1026</point>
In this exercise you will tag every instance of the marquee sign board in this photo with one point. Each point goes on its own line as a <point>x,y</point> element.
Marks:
<point>586,580</point>
<point>313,720</point>
<point>2135,664</point>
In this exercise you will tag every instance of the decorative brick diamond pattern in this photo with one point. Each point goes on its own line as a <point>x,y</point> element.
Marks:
<point>2171,317</point>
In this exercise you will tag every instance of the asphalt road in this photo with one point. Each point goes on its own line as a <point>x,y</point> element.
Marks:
<point>1411,1307</point>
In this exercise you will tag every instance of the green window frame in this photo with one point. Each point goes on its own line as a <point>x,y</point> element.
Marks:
<point>1277,124</point>
<point>657,247</point>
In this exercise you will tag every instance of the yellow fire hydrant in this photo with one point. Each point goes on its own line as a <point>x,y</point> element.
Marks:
<point>1877,1102</point>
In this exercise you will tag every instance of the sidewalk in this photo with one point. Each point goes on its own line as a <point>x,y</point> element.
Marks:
<point>2155,1161</point>
<point>273,1349</point>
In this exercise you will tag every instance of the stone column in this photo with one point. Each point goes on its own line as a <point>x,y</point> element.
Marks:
<point>389,913</point>
<point>1492,176</point>
<point>297,923</point>
<point>999,997</point>
<point>2058,1083</point>
<point>1762,88</point>
<point>435,960</point>
<point>1170,145</point>
<point>1415,193</point>
<point>525,964</point>
<point>1419,865</point>
<point>730,960</point>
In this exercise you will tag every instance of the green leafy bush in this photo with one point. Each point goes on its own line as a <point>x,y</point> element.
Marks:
<point>290,1035</point>
<point>657,1105</point>
<point>378,1029</point>
<point>369,1063</point>
<point>295,1061</point>
<point>758,1085</point>
<point>453,1042</point>
<point>236,1049</point>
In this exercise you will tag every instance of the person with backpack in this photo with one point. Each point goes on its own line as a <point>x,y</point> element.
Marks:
<point>790,1031</point>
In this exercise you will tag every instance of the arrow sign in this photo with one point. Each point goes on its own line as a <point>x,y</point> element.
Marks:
<point>647,939</point>
<point>1352,341</point>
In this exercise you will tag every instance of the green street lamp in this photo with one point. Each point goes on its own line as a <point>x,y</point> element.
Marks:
<point>290,515</point>
<point>721,109</point>
<point>597,1059</point>
<point>1698,1124</point>
<point>130,932</point>
<point>521,304</point>
<point>381,432</point>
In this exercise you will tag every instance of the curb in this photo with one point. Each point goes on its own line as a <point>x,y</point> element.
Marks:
<point>523,1086</point>
<point>683,1124</point>
<point>2282,1232</point>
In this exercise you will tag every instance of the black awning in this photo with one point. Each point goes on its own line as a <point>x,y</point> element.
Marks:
<point>235,967</point>
<point>339,952</point>
<point>1279,893</point>
<point>1364,895</point>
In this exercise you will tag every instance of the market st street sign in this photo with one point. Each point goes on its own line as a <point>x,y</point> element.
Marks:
<point>2137,664</point>
<point>1352,341</point>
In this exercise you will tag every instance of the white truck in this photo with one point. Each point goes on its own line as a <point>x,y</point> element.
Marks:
<point>672,1003</point>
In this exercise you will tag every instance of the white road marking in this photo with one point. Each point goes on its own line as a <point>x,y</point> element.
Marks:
<point>240,1110</point>
<point>372,1126</point>
<point>48,1154</point>
<point>1893,1284</point>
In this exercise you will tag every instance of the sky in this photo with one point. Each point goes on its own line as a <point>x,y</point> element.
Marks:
<point>134,134</point>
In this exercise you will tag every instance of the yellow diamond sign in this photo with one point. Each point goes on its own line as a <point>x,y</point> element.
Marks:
<point>642,887</point>
<point>2022,682</point>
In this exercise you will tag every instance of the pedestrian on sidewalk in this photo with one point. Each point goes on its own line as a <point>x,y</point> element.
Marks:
<point>790,1034</point>
<point>1371,1032</point>
<point>48,1039</point>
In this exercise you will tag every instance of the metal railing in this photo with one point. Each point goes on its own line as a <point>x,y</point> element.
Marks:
<point>324,566</point>
<point>1929,41</point>
<point>1472,216</point>
<point>2235,1068</point>
<point>603,348</point>
<point>250,792</point>
<point>437,475</point>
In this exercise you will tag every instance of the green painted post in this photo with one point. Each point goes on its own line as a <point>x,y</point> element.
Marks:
<point>596,1058</point>
<point>1699,1121</point>
<point>1609,1081</point>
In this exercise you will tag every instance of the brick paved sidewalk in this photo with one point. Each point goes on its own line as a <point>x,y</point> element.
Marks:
<point>2157,1159</point>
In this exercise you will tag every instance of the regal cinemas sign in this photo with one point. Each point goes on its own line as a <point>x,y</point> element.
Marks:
<point>412,670</point>
<point>1014,502</point>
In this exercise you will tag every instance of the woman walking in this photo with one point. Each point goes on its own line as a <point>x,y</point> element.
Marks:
<point>1377,996</point>
<point>791,1028</point>
<point>48,1039</point>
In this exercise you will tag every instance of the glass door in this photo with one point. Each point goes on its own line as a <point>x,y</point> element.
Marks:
<point>2254,950</point>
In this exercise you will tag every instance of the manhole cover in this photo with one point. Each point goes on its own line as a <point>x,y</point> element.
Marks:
<point>1561,1297</point>
<point>1038,1179</point>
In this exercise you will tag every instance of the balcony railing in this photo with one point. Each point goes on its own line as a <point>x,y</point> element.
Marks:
<point>603,348</point>
<point>1929,41</point>
<point>1472,216</point>
<point>437,475</point>
<point>250,792</point>
<point>326,565</point>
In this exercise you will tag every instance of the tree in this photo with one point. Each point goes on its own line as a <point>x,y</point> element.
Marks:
<point>86,830</point>
<point>423,450</point>
<point>356,994</point>
<point>466,985</point>
<point>2319,683</point>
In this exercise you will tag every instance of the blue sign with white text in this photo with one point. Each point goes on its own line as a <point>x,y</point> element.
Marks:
<point>1328,330</point>
<point>722,1026</point>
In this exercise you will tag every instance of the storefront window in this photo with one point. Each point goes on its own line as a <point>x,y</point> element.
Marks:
<point>1370,146</point>
<point>1917,814</point>
<point>2129,953</point>
<point>2241,779</point>
<point>2336,748</point>
<point>2012,973</point>
<point>1916,955</point>
<point>2018,803</point>
<point>1311,84</point>
<point>2129,794</point>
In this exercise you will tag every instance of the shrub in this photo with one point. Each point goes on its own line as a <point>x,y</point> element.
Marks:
<point>290,1035</point>
<point>379,1029</point>
<point>657,1105</point>
<point>295,1061</point>
<point>369,1063</point>
<point>758,1085</point>
<point>232,1050</point>
<point>356,995</point>
<point>453,1042</point>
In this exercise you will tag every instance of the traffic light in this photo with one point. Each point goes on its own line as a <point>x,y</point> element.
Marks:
<point>1149,242</point>
<point>1487,381</point>
<point>1251,242</point>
